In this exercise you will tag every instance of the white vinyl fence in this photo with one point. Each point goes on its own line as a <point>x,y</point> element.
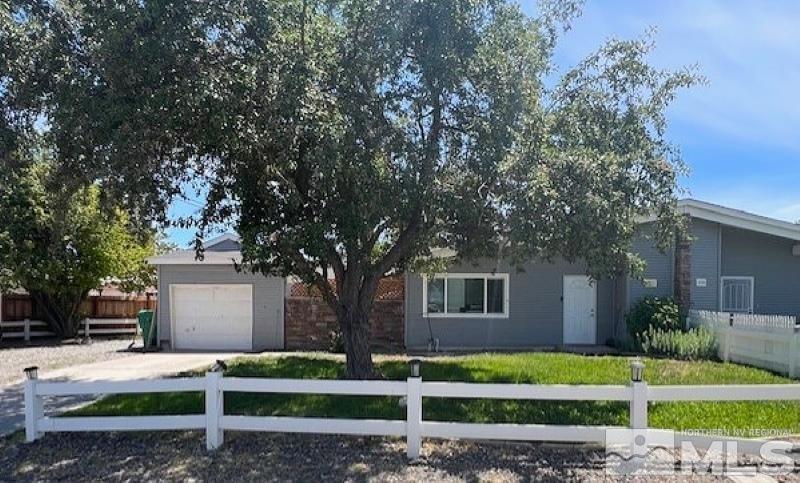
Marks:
<point>766,341</point>
<point>28,329</point>
<point>215,421</point>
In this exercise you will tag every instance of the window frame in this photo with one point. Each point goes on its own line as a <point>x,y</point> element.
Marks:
<point>752,281</point>
<point>467,315</point>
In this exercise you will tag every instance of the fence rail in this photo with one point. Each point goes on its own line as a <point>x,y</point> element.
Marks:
<point>28,329</point>
<point>766,341</point>
<point>215,421</point>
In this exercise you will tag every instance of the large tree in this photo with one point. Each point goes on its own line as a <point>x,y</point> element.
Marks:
<point>58,244</point>
<point>345,138</point>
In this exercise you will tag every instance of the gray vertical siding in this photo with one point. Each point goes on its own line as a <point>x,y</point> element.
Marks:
<point>705,264</point>
<point>659,266</point>
<point>770,261</point>
<point>268,297</point>
<point>535,310</point>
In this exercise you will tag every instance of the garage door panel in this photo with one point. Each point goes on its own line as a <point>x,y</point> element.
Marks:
<point>213,317</point>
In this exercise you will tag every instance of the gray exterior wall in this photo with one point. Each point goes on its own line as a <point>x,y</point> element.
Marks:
<point>659,266</point>
<point>770,261</point>
<point>535,310</point>
<point>268,299</point>
<point>719,250</point>
<point>705,264</point>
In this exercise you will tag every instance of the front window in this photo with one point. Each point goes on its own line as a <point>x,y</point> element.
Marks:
<point>737,294</point>
<point>466,295</point>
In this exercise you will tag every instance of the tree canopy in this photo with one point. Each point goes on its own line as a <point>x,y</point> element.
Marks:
<point>59,244</point>
<point>345,138</point>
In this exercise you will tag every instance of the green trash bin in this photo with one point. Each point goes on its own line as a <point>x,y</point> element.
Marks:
<point>148,328</point>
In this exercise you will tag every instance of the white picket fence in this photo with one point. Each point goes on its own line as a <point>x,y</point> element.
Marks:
<point>767,341</point>
<point>92,327</point>
<point>215,421</point>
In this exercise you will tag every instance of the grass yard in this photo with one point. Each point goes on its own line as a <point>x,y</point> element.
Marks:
<point>543,368</point>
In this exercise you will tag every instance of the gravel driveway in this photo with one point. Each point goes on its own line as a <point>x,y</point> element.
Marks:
<point>272,457</point>
<point>15,358</point>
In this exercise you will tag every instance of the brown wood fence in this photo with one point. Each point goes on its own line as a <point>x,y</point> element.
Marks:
<point>20,307</point>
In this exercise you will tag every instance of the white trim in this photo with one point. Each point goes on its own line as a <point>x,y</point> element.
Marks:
<point>485,315</point>
<point>210,257</point>
<point>735,218</point>
<point>737,277</point>
<point>740,219</point>
<point>188,257</point>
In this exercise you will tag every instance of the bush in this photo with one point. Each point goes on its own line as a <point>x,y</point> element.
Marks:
<point>654,312</point>
<point>694,344</point>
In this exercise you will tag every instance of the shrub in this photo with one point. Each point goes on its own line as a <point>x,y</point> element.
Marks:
<point>655,312</point>
<point>694,344</point>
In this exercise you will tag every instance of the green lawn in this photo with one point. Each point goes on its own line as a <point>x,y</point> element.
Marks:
<point>544,368</point>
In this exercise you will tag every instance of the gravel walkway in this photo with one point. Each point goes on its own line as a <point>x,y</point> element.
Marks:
<point>271,457</point>
<point>14,358</point>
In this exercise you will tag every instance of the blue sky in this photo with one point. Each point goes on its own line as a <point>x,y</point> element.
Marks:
<point>739,134</point>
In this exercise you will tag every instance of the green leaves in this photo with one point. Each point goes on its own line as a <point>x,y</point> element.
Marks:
<point>58,242</point>
<point>351,136</point>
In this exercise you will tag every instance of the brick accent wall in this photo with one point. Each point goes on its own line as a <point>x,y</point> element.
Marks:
<point>309,322</point>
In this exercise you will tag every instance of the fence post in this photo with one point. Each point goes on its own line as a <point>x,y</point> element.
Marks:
<point>726,342</point>
<point>793,354</point>
<point>215,406</point>
<point>638,408</point>
<point>27,330</point>
<point>86,335</point>
<point>34,407</point>
<point>414,412</point>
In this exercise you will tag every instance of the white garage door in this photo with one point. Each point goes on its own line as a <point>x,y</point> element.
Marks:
<point>212,317</point>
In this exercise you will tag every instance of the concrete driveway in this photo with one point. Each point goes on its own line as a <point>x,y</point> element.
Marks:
<point>137,366</point>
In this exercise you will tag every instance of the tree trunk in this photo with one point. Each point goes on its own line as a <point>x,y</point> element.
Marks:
<point>354,321</point>
<point>61,312</point>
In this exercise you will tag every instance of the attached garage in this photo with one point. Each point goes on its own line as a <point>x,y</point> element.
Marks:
<point>206,305</point>
<point>212,316</point>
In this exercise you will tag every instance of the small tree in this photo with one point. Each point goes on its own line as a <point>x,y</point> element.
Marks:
<point>59,243</point>
<point>344,138</point>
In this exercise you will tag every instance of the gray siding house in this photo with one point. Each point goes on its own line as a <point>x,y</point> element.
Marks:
<point>733,261</point>
<point>208,305</point>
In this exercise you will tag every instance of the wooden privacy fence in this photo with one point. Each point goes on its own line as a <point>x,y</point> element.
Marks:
<point>106,315</point>
<point>18,307</point>
<point>767,341</point>
<point>215,421</point>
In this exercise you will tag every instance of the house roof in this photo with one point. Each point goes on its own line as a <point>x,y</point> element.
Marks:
<point>210,256</point>
<point>695,208</point>
<point>739,219</point>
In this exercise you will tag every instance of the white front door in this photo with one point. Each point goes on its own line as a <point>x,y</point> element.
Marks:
<point>212,317</point>
<point>580,310</point>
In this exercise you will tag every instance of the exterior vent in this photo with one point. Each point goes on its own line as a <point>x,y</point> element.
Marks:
<point>796,250</point>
